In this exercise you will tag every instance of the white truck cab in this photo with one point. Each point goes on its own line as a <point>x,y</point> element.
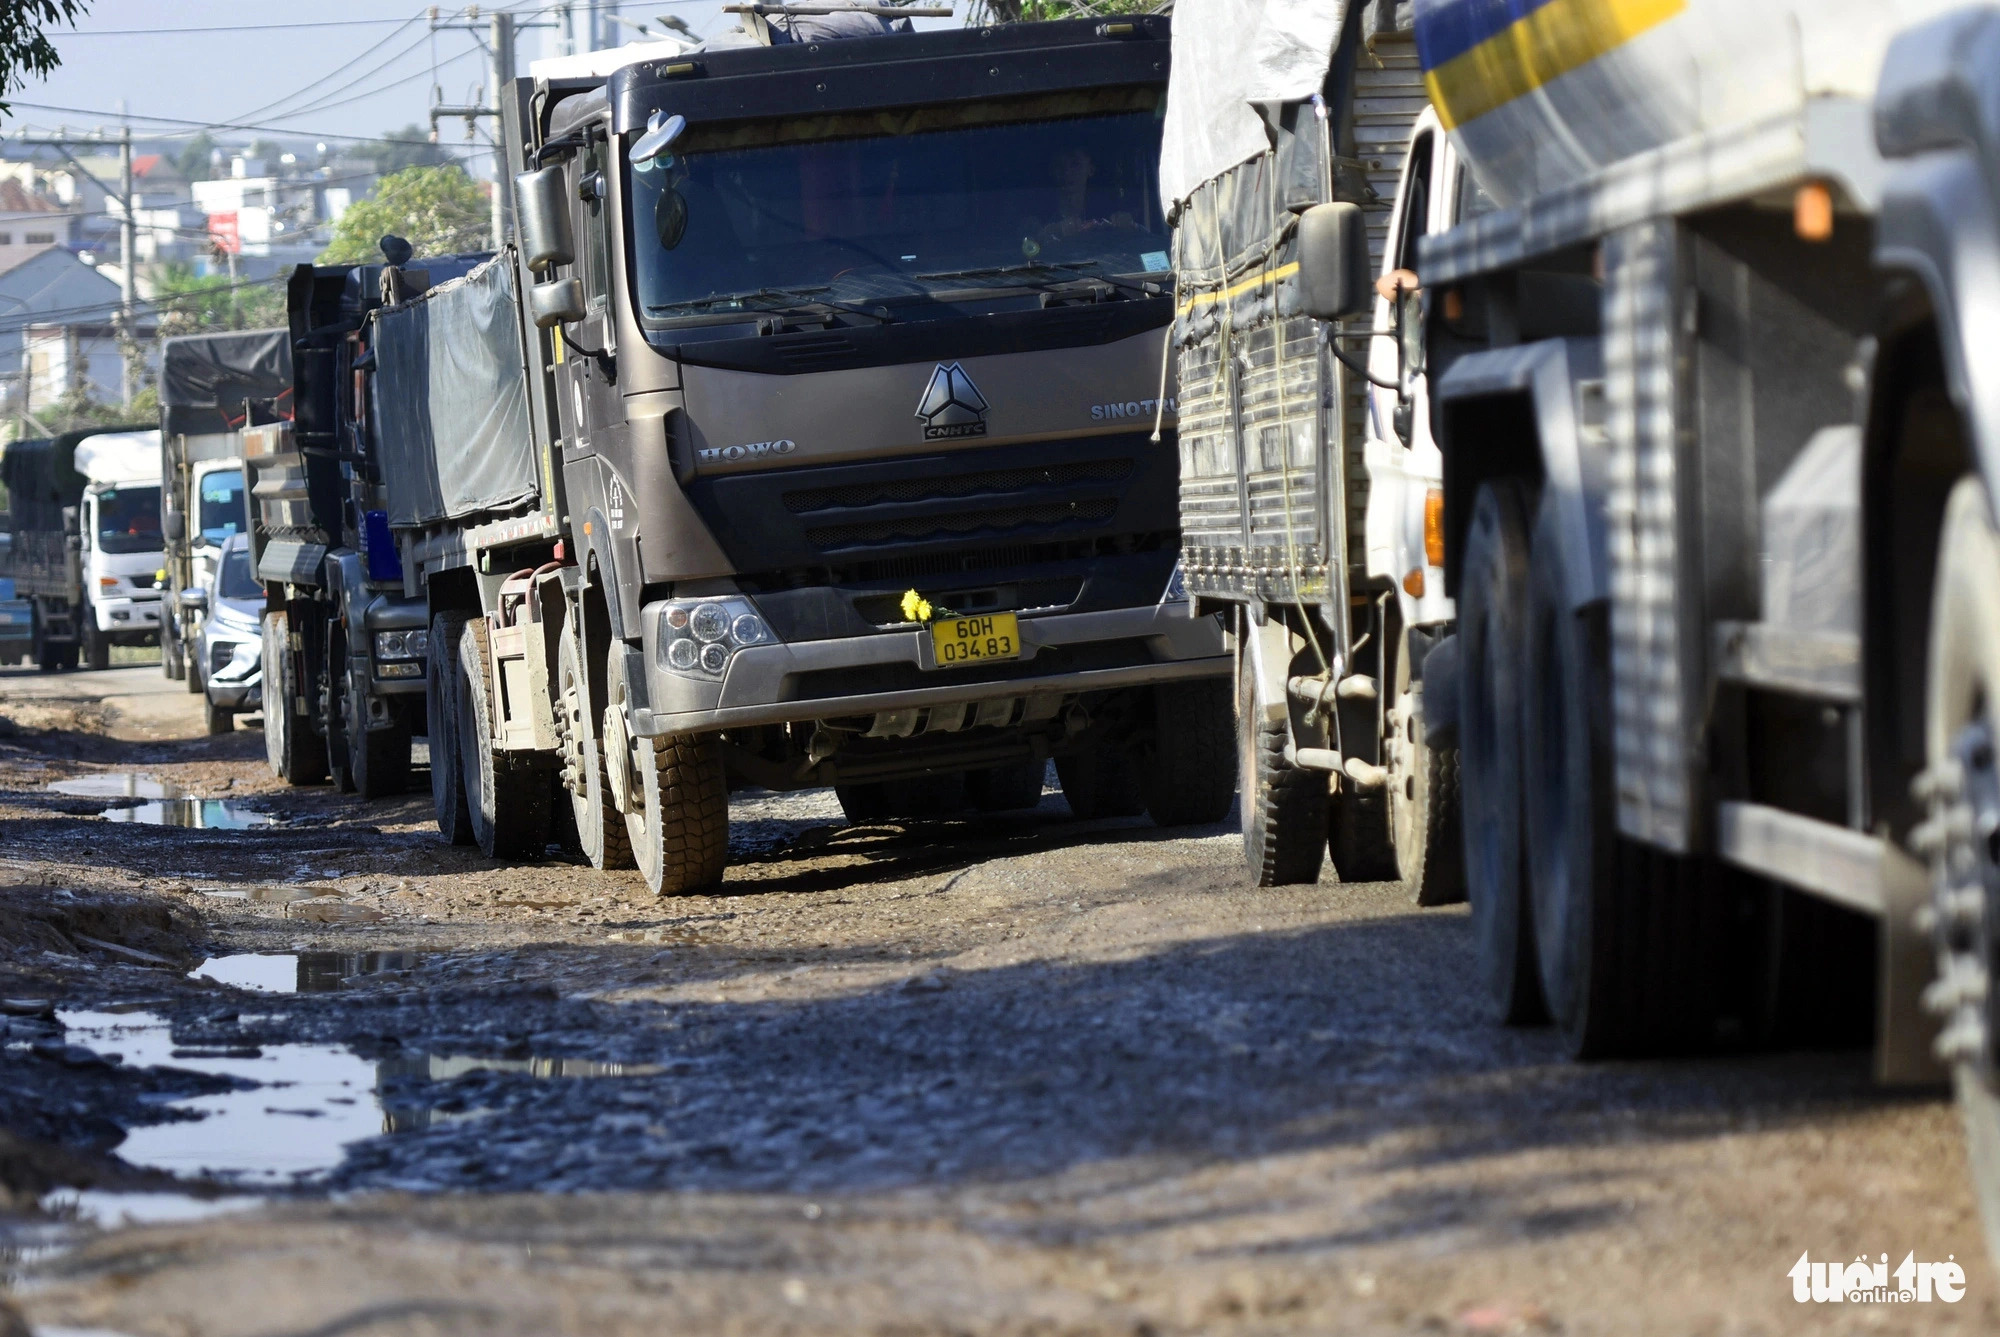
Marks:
<point>119,530</point>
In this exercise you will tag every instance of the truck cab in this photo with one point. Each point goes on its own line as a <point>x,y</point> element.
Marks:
<point>120,542</point>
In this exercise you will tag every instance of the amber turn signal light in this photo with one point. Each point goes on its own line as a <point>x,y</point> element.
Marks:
<point>1434,526</point>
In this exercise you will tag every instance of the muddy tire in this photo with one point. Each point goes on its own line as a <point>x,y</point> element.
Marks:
<point>297,755</point>
<point>1423,799</point>
<point>1191,780</point>
<point>1013,788</point>
<point>97,647</point>
<point>507,800</point>
<point>1491,608</point>
<point>1100,781</point>
<point>333,709</point>
<point>1359,835</point>
<point>377,759</point>
<point>218,719</point>
<point>1962,781</point>
<point>454,816</point>
<point>680,835</point>
<point>1284,806</point>
<point>173,661</point>
<point>601,836</point>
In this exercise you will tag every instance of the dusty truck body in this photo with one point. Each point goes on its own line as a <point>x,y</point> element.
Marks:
<point>86,543</point>
<point>1299,496</point>
<point>211,386</point>
<point>343,642</point>
<point>1709,385</point>
<point>834,461</point>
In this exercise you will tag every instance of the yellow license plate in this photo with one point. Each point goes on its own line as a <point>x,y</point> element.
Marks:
<point>974,640</point>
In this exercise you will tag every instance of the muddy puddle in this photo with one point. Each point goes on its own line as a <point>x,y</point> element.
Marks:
<point>160,804</point>
<point>296,1107</point>
<point>301,972</point>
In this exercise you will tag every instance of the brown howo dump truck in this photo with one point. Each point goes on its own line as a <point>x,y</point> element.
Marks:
<point>811,434</point>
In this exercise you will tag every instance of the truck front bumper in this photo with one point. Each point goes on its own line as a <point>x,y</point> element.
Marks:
<point>1062,655</point>
<point>126,615</point>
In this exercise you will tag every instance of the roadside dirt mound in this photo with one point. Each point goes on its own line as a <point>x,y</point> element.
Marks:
<point>36,917</point>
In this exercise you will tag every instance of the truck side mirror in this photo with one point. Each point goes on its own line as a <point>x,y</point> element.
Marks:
<point>175,526</point>
<point>556,302</point>
<point>1333,261</point>
<point>546,236</point>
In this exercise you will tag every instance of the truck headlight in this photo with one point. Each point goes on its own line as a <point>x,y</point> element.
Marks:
<point>402,644</point>
<point>699,636</point>
<point>1176,592</point>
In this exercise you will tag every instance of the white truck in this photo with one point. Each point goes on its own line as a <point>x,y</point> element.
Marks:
<point>1717,431</point>
<point>86,542</point>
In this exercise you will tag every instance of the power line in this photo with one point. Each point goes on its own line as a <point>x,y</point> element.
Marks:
<point>232,27</point>
<point>380,88</point>
<point>338,69</point>
<point>101,114</point>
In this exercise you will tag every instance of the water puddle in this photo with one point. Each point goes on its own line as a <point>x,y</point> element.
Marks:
<point>301,972</point>
<point>161,804</point>
<point>270,895</point>
<point>298,1106</point>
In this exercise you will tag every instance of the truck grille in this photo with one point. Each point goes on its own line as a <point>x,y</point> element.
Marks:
<point>807,500</point>
<point>996,521</point>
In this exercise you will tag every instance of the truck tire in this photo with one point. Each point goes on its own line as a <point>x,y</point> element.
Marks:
<point>1100,781</point>
<point>96,645</point>
<point>1962,783</point>
<point>1360,835</point>
<point>297,755</point>
<point>1491,605</point>
<point>1423,808</point>
<point>863,804</point>
<point>1192,778</point>
<point>600,829</point>
<point>173,662</point>
<point>1284,806</point>
<point>680,835</point>
<point>219,719</point>
<point>377,759</point>
<point>1630,940</point>
<point>924,798</point>
<point>192,669</point>
<point>506,798</point>
<point>454,818</point>
<point>333,708</point>
<point>1012,788</point>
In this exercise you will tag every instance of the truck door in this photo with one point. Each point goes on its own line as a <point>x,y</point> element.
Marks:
<point>586,367</point>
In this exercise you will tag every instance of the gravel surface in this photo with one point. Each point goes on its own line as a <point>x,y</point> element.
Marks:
<point>1009,1075</point>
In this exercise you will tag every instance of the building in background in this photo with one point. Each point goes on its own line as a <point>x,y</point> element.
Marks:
<point>58,333</point>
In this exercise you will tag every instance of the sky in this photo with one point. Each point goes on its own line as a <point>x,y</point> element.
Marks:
<point>365,68</point>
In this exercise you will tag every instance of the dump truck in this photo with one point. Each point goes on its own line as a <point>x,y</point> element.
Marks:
<point>1717,516</point>
<point>86,544</point>
<point>343,640</point>
<point>211,387</point>
<point>809,436</point>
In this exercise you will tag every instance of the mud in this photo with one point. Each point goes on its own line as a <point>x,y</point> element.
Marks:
<point>1007,1075</point>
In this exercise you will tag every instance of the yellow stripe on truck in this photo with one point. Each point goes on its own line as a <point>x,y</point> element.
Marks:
<point>1264,277</point>
<point>1537,49</point>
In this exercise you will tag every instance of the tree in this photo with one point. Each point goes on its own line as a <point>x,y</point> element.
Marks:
<point>399,149</point>
<point>191,303</point>
<point>193,159</point>
<point>25,47</point>
<point>438,210</point>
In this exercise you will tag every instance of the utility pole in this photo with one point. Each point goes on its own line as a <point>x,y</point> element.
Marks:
<point>128,250</point>
<point>501,30</point>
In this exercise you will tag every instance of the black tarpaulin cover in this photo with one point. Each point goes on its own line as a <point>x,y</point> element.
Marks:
<point>205,379</point>
<point>452,400</point>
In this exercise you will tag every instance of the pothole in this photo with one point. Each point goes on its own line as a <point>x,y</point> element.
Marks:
<point>161,804</point>
<point>301,972</point>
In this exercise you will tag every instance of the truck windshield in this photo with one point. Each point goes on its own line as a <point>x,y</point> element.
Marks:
<point>221,504</point>
<point>731,223</point>
<point>128,520</point>
<point>234,580</point>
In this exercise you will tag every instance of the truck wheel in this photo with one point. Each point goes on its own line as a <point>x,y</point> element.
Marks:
<point>172,662</point>
<point>454,819</point>
<point>219,720</point>
<point>333,708</point>
<point>1192,778</point>
<point>863,804</point>
<point>680,835</point>
<point>1284,806</point>
<point>1423,803</point>
<point>1100,781</point>
<point>97,646</point>
<point>1629,939</point>
<point>378,759</point>
<point>1962,782</point>
<point>191,667</point>
<point>297,755</point>
<point>1360,835</point>
<point>1013,788</point>
<point>925,798</point>
<point>600,829</point>
<point>1491,605</point>
<point>507,799</point>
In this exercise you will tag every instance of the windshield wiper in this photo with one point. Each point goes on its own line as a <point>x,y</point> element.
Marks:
<point>793,307</point>
<point>1022,275</point>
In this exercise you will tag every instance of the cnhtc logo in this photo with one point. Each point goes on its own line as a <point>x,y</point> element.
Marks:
<point>952,405</point>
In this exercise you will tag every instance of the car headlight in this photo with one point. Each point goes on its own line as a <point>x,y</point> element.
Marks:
<point>699,636</point>
<point>402,644</point>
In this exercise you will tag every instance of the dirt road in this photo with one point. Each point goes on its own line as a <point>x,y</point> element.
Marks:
<point>1018,1075</point>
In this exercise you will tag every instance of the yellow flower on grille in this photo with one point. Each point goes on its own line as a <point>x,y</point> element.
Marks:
<point>916,608</point>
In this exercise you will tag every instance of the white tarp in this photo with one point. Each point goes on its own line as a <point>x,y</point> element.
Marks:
<point>120,457</point>
<point>1229,54</point>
